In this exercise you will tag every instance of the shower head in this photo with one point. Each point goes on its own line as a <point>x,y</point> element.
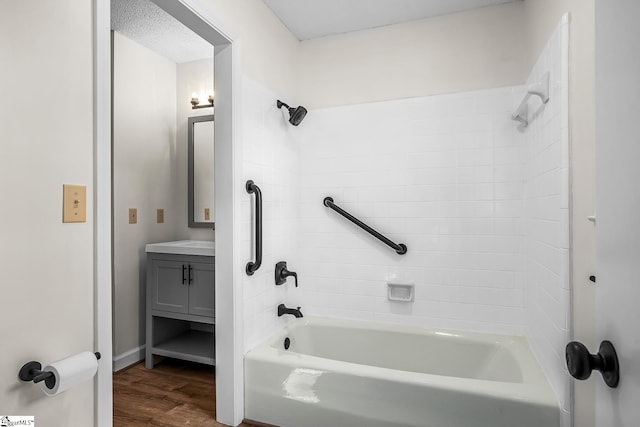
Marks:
<point>295,114</point>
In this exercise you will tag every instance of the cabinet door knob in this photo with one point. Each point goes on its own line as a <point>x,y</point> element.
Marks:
<point>580,362</point>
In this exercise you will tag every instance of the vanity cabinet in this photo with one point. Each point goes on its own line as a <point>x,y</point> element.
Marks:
<point>180,307</point>
<point>182,284</point>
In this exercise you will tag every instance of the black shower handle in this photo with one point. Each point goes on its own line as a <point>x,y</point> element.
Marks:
<point>281,273</point>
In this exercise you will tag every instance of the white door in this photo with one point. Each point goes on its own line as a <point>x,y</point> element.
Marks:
<point>618,204</point>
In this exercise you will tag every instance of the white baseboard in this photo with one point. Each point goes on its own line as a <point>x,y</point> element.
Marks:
<point>128,358</point>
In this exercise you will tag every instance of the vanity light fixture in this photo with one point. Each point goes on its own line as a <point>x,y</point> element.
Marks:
<point>195,102</point>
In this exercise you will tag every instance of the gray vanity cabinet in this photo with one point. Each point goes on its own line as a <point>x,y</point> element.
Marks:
<point>180,307</point>
<point>182,284</point>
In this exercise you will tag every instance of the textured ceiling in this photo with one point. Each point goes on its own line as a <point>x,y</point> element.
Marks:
<point>147,24</point>
<point>308,19</point>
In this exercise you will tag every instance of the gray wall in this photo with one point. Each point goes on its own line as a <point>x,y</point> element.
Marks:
<point>144,175</point>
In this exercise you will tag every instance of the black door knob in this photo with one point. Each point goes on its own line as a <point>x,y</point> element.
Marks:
<point>580,362</point>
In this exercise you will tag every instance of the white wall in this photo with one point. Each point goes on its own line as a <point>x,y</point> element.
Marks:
<point>195,76</point>
<point>547,216</point>
<point>478,49</point>
<point>442,174</point>
<point>271,153</point>
<point>542,17</point>
<point>145,169</point>
<point>46,129</point>
<point>268,51</point>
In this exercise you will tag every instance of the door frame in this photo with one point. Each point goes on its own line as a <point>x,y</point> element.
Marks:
<point>229,321</point>
<point>617,203</point>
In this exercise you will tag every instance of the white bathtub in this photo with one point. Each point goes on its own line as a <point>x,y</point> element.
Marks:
<point>339,373</point>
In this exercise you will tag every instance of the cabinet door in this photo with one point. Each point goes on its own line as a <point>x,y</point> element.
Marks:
<point>169,293</point>
<point>202,289</point>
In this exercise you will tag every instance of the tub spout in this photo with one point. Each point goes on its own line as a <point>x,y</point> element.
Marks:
<point>282,310</point>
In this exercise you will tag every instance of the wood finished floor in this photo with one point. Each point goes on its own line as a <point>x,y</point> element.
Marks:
<point>172,394</point>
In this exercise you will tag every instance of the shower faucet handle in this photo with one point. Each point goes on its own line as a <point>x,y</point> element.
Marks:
<point>282,273</point>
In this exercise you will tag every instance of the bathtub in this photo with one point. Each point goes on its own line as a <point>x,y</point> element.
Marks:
<point>338,373</point>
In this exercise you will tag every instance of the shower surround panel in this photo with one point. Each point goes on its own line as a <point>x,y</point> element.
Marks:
<point>270,158</point>
<point>481,204</point>
<point>442,174</point>
<point>547,250</point>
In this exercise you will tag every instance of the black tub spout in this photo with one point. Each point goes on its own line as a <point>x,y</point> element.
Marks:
<point>282,310</point>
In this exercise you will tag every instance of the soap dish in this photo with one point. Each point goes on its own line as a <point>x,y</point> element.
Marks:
<point>403,292</point>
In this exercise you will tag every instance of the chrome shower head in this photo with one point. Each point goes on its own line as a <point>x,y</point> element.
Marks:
<point>295,114</point>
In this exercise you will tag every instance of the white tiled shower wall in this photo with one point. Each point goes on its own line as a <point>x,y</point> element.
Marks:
<point>547,247</point>
<point>481,204</point>
<point>270,158</point>
<point>442,174</point>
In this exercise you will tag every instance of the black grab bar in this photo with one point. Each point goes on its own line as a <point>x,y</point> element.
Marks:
<point>400,248</point>
<point>253,266</point>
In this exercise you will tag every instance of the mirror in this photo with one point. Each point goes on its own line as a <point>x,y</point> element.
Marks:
<point>201,151</point>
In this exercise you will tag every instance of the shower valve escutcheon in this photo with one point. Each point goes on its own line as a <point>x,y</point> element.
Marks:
<point>282,273</point>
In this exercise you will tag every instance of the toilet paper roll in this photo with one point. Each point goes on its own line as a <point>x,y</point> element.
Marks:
<point>71,371</point>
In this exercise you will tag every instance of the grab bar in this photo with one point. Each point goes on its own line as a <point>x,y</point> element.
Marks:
<point>400,248</point>
<point>252,267</point>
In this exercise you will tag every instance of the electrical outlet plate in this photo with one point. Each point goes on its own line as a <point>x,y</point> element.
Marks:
<point>160,216</point>
<point>74,203</point>
<point>133,216</point>
<point>207,214</point>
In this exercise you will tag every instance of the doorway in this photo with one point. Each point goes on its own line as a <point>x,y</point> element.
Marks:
<point>156,63</point>
<point>152,74</point>
<point>229,406</point>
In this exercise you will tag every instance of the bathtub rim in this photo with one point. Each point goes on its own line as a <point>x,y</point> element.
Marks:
<point>534,389</point>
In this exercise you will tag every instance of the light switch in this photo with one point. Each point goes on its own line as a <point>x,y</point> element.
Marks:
<point>207,214</point>
<point>133,216</point>
<point>160,216</point>
<point>74,203</point>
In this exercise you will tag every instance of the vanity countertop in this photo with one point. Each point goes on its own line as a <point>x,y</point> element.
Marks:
<point>183,247</point>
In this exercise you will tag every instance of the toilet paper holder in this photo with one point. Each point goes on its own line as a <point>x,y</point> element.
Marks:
<point>32,371</point>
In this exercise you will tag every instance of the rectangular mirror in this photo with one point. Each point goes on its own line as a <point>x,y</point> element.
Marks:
<point>201,152</point>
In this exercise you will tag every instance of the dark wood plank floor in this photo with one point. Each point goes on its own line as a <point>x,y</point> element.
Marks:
<point>173,394</point>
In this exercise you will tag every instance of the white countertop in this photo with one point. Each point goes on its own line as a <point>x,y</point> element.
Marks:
<point>183,247</point>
